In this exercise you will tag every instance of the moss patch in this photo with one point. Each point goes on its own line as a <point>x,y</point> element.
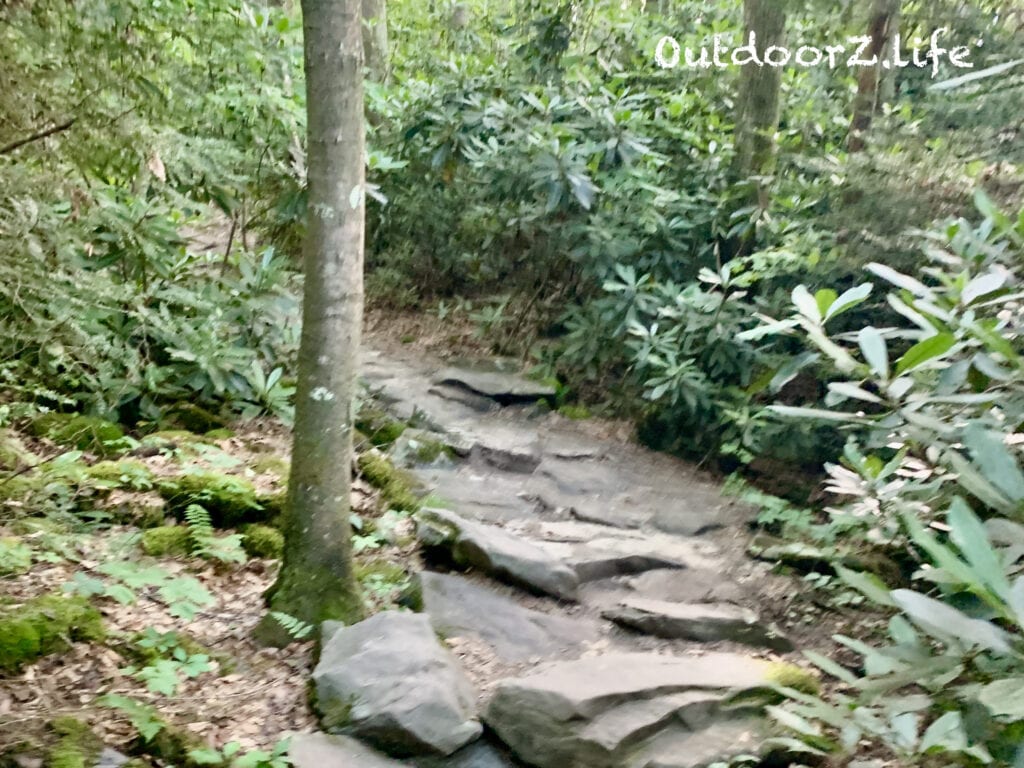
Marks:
<point>263,541</point>
<point>230,500</point>
<point>379,428</point>
<point>127,473</point>
<point>395,485</point>
<point>193,418</point>
<point>76,747</point>
<point>86,433</point>
<point>42,625</point>
<point>167,541</point>
<point>791,676</point>
<point>219,434</point>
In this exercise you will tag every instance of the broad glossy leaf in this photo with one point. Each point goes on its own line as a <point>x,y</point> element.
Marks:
<point>947,733</point>
<point>1004,698</point>
<point>875,352</point>
<point>944,622</point>
<point>926,350</point>
<point>868,584</point>
<point>806,303</point>
<point>850,390</point>
<point>900,280</point>
<point>982,285</point>
<point>995,461</point>
<point>969,534</point>
<point>849,300</point>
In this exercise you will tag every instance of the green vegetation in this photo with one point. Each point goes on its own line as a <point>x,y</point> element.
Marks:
<point>43,626</point>
<point>395,485</point>
<point>263,541</point>
<point>77,747</point>
<point>230,500</point>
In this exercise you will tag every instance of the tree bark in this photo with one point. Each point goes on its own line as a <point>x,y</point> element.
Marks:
<point>760,93</point>
<point>375,39</point>
<point>874,83</point>
<point>316,580</point>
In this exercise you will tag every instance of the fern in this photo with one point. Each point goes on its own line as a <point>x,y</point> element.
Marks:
<point>297,628</point>
<point>207,544</point>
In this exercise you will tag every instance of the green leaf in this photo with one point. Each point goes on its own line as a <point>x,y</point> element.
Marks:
<point>825,298</point>
<point>969,534</point>
<point>206,756</point>
<point>983,285</point>
<point>900,280</point>
<point>995,461</point>
<point>868,584</point>
<point>849,300</point>
<point>806,304</point>
<point>811,413</point>
<point>946,733</point>
<point>946,623</point>
<point>1004,698</point>
<point>873,346</point>
<point>926,350</point>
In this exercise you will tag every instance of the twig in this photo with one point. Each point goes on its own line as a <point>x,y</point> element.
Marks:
<point>7,149</point>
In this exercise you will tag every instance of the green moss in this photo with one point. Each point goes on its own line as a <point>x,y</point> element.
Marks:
<point>193,418</point>
<point>273,503</point>
<point>384,570</point>
<point>86,433</point>
<point>229,499</point>
<point>42,625</point>
<point>219,434</point>
<point>428,451</point>
<point>395,485</point>
<point>127,473</point>
<point>77,746</point>
<point>167,541</point>
<point>791,676</point>
<point>334,714</point>
<point>270,465</point>
<point>575,412</point>
<point>263,541</point>
<point>15,556</point>
<point>379,428</point>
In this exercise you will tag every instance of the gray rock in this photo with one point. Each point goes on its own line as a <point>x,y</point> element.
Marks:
<point>318,750</point>
<point>457,607</point>
<point>704,622</point>
<point>613,711</point>
<point>505,388</point>
<point>388,681</point>
<point>111,758</point>
<point>497,553</point>
<point>479,754</point>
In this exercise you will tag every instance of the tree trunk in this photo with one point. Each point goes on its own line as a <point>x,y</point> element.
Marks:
<point>759,93</point>
<point>875,84</point>
<point>375,39</point>
<point>316,580</point>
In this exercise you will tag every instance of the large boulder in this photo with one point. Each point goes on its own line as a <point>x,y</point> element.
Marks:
<point>389,681</point>
<point>629,711</point>
<point>497,553</point>
<point>504,388</point>
<point>458,607</point>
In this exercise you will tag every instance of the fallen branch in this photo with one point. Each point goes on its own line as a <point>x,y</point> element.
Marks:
<point>60,127</point>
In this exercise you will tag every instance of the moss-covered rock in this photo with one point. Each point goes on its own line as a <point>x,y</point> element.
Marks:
<point>380,429</point>
<point>395,486</point>
<point>42,626</point>
<point>86,433</point>
<point>193,418</point>
<point>126,473</point>
<point>167,541</point>
<point>270,464</point>
<point>219,434</point>
<point>792,676</point>
<point>263,541</point>
<point>230,500</point>
<point>77,746</point>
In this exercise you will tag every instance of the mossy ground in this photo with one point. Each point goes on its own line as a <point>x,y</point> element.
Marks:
<point>44,625</point>
<point>76,747</point>
<point>230,500</point>
<point>86,433</point>
<point>263,541</point>
<point>167,541</point>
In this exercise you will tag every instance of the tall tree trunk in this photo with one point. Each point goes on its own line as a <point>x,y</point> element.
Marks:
<point>875,84</point>
<point>316,580</point>
<point>375,39</point>
<point>760,93</point>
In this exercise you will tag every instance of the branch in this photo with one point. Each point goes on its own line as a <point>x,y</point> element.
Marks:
<point>7,149</point>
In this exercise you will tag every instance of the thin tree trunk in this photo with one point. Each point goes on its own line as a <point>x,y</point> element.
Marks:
<point>874,82</point>
<point>760,93</point>
<point>316,580</point>
<point>375,39</point>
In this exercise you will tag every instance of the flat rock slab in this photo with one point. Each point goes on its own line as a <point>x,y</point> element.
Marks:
<point>497,553</point>
<point>611,711</point>
<point>457,607</point>
<point>479,754</point>
<point>505,388</point>
<point>320,750</point>
<point>390,682</point>
<point>703,622</point>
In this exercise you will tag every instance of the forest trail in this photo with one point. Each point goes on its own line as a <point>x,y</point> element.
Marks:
<point>609,610</point>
